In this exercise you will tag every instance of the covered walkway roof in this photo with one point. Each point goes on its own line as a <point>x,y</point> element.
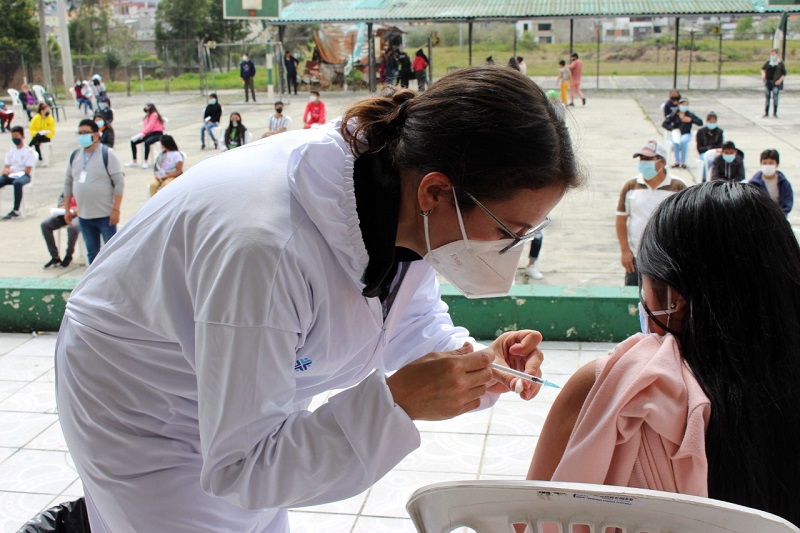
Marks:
<point>320,11</point>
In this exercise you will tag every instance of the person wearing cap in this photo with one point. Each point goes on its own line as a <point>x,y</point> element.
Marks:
<point>638,199</point>
<point>709,142</point>
<point>729,165</point>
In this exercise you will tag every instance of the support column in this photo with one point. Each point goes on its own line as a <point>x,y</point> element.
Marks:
<point>66,50</point>
<point>470,42</point>
<point>571,36</point>
<point>371,52</point>
<point>677,41</point>
<point>48,77</point>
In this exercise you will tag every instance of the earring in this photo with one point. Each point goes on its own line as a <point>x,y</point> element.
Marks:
<point>425,213</point>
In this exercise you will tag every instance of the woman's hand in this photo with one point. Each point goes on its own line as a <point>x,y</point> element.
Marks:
<point>518,350</point>
<point>442,385</point>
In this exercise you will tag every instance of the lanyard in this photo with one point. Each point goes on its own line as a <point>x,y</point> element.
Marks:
<point>87,161</point>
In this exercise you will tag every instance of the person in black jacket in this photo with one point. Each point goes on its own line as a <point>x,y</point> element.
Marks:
<point>107,135</point>
<point>290,62</point>
<point>772,74</point>
<point>405,68</point>
<point>211,117</point>
<point>729,165</point>
<point>680,123</point>
<point>104,109</point>
<point>709,142</point>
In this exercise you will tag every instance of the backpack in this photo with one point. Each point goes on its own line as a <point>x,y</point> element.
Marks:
<point>103,149</point>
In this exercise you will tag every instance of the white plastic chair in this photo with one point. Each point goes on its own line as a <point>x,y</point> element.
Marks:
<point>15,101</point>
<point>493,506</point>
<point>39,91</point>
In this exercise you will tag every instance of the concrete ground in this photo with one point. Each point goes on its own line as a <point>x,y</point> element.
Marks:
<point>580,247</point>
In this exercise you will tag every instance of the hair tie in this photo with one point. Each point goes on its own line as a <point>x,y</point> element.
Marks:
<point>401,112</point>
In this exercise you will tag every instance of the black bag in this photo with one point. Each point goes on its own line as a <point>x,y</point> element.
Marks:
<point>67,517</point>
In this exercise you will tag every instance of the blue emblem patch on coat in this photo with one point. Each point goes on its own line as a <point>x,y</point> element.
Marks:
<point>302,364</point>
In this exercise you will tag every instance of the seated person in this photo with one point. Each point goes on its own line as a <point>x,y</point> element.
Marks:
<point>107,134</point>
<point>19,164</point>
<point>6,116</point>
<point>42,128</point>
<point>729,165</point>
<point>211,117</point>
<point>705,402</point>
<point>55,223</point>
<point>772,181</point>
<point>168,166</point>
<point>236,134</point>
<point>709,142</point>
<point>278,123</point>
<point>314,114</point>
<point>104,109</point>
<point>27,99</point>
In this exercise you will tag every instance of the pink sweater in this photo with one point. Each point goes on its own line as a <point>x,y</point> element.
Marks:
<point>643,423</point>
<point>151,124</point>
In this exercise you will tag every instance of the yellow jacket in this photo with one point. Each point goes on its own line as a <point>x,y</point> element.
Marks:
<point>40,123</point>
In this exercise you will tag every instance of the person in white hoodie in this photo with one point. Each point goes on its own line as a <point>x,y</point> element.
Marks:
<point>191,349</point>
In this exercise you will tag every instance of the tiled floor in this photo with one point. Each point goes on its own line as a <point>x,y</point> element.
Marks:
<point>36,470</point>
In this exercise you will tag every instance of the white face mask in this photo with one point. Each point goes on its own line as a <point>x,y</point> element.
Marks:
<point>644,321</point>
<point>312,98</point>
<point>475,268</point>
<point>768,170</point>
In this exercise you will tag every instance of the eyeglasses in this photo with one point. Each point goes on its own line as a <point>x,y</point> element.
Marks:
<point>517,239</point>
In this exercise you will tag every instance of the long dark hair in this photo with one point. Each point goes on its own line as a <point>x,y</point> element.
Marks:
<point>728,249</point>
<point>240,131</point>
<point>168,142</point>
<point>152,108</point>
<point>490,129</point>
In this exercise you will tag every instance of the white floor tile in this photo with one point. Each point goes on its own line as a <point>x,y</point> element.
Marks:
<point>558,345</point>
<point>16,508</point>
<point>473,422</point>
<point>51,439</point>
<point>37,471</point>
<point>47,377</point>
<point>370,524</point>
<point>305,522</point>
<point>9,341</point>
<point>559,362</point>
<point>39,346</point>
<point>389,495</point>
<point>519,417</point>
<point>7,388</point>
<point>74,491</point>
<point>506,455</point>
<point>32,398</point>
<point>446,452</point>
<point>5,453</point>
<point>24,368</point>
<point>598,346</point>
<point>17,429</point>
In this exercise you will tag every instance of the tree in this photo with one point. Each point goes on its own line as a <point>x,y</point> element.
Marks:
<point>19,36</point>
<point>89,31</point>
<point>180,24</point>
<point>743,28</point>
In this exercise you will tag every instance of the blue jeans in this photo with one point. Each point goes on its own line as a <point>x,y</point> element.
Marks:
<point>682,147</point>
<point>18,184</point>
<point>208,127</point>
<point>92,229</point>
<point>770,89</point>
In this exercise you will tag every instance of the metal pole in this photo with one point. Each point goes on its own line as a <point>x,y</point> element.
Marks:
<point>691,54</point>
<point>202,60</point>
<point>48,78</point>
<point>719,60</point>
<point>677,38</point>
<point>598,30</point>
<point>270,84</point>
<point>166,68</point>
<point>785,20</point>
<point>430,60</point>
<point>571,35</point>
<point>515,38</point>
<point>371,59</point>
<point>66,51</point>
<point>470,42</point>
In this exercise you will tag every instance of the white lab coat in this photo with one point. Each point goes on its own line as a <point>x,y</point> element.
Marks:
<point>193,345</point>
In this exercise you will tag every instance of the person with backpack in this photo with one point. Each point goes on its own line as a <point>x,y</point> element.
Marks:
<point>95,180</point>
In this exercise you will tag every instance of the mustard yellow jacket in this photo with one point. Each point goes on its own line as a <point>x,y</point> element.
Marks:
<point>40,123</point>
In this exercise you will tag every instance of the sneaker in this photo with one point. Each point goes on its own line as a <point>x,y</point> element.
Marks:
<point>216,145</point>
<point>144,165</point>
<point>131,163</point>
<point>202,146</point>
<point>766,115</point>
<point>584,101</point>
<point>11,214</point>
<point>53,262</point>
<point>67,260</point>
<point>775,116</point>
<point>533,272</point>
<point>571,104</point>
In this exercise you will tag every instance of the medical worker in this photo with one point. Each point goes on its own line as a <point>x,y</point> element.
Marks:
<point>302,263</point>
